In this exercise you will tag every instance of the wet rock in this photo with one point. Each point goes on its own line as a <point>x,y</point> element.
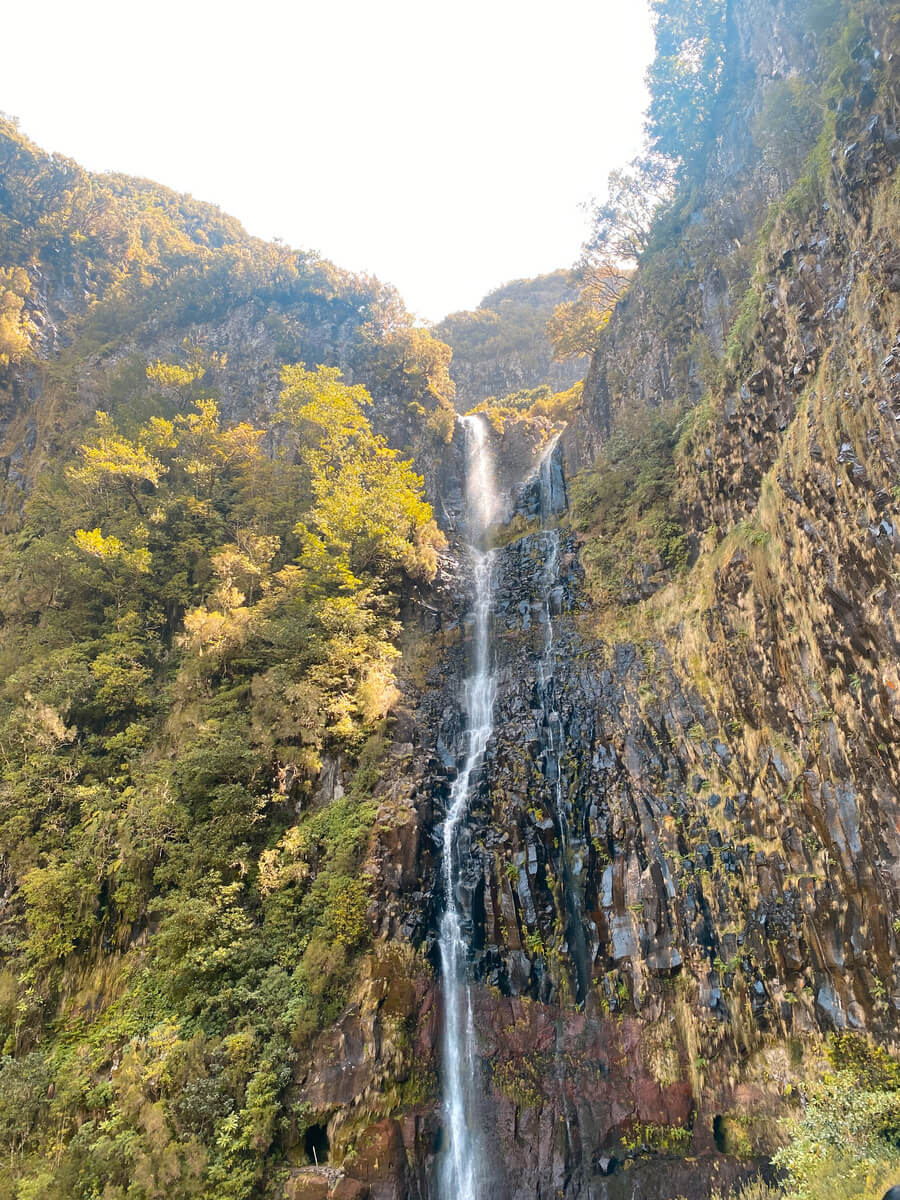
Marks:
<point>380,1161</point>
<point>828,1004</point>
<point>621,830</point>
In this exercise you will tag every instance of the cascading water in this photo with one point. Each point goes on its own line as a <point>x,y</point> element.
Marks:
<point>553,500</point>
<point>463,1174</point>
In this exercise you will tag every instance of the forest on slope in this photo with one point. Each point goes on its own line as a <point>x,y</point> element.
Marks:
<point>504,345</point>
<point>207,549</point>
<point>219,574</point>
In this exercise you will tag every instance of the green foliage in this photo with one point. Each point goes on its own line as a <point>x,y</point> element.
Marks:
<point>60,902</point>
<point>664,1139</point>
<point>871,1065</point>
<point>110,461</point>
<point>534,943</point>
<point>788,122</point>
<point>24,1083</point>
<point>412,357</point>
<point>190,627</point>
<point>506,337</point>
<point>822,14</point>
<point>558,406</point>
<point>137,263</point>
<point>693,428</point>
<point>16,327</point>
<point>368,502</point>
<point>740,336</point>
<point>849,1130</point>
<point>620,234</point>
<point>510,318</point>
<point>685,76</point>
<point>621,227</point>
<point>520,1079</point>
<point>576,326</point>
<point>623,505</point>
<point>537,413</point>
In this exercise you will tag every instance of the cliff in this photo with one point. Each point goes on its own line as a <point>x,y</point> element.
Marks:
<point>665,950</point>
<point>235,710</point>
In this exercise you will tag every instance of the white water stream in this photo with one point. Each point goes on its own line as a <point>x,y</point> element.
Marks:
<point>463,1172</point>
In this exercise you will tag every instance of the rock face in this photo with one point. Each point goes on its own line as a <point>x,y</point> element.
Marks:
<point>683,847</point>
<point>609,1020</point>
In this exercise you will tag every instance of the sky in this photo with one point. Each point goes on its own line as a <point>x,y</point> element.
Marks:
<point>444,147</point>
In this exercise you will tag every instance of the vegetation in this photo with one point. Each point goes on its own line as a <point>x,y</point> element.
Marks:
<point>846,1143</point>
<point>624,507</point>
<point>90,263</point>
<point>683,464</point>
<point>530,404</point>
<point>621,228</point>
<point>664,1139</point>
<point>620,234</point>
<point>504,342</point>
<point>686,76</point>
<point>189,627</point>
<point>788,123</point>
<point>199,613</point>
<point>848,1138</point>
<point>511,317</point>
<point>684,82</point>
<point>16,328</point>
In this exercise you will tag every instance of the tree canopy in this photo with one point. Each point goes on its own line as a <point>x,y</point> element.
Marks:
<point>685,76</point>
<point>195,613</point>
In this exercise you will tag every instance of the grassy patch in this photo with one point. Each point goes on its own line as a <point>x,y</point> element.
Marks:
<point>624,507</point>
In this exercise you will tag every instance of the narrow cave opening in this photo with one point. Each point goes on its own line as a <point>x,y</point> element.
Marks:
<point>719,1134</point>
<point>316,1144</point>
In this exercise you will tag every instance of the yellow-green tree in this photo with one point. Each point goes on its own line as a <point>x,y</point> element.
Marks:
<point>16,327</point>
<point>369,513</point>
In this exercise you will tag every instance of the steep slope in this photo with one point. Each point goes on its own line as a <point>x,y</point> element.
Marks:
<point>103,274</point>
<point>682,850</point>
<point>236,716</point>
<point>778,392</point>
<point>502,346</point>
<point>207,551</point>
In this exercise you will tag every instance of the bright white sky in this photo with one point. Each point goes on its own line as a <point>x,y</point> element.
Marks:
<point>446,148</point>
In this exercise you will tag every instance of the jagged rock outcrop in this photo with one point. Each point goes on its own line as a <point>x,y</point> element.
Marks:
<point>683,850</point>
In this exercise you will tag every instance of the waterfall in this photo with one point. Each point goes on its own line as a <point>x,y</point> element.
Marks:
<point>463,1174</point>
<point>552,501</point>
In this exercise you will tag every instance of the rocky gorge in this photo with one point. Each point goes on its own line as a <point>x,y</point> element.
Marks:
<point>628,858</point>
<point>682,844</point>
